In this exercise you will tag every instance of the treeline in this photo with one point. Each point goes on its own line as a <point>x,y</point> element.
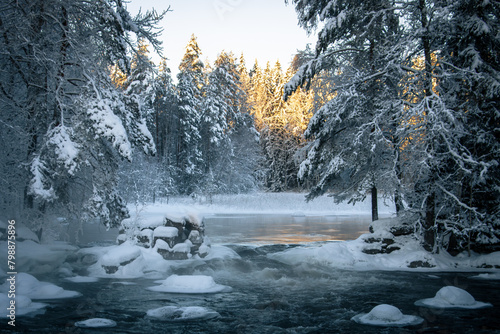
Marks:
<point>415,115</point>
<point>220,129</point>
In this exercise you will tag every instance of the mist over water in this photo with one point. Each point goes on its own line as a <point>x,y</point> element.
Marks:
<point>268,296</point>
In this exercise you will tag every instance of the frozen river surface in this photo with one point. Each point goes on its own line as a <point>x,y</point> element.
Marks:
<point>268,296</point>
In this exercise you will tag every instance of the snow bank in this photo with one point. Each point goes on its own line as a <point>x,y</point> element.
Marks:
<point>174,313</point>
<point>24,305</point>
<point>95,323</point>
<point>38,258</point>
<point>261,203</point>
<point>149,263</point>
<point>190,284</point>
<point>452,297</point>
<point>387,316</point>
<point>32,288</point>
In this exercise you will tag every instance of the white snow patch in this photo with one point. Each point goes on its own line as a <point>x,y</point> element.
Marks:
<point>452,297</point>
<point>95,323</point>
<point>32,288</point>
<point>174,313</point>
<point>387,316</point>
<point>121,254</point>
<point>166,232</point>
<point>190,284</point>
<point>24,305</point>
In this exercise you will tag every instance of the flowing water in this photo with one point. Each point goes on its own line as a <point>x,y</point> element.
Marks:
<point>268,296</point>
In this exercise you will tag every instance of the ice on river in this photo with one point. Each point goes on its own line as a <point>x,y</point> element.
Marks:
<point>174,313</point>
<point>32,288</point>
<point>387,316</point>
<point>452,297</point>
<point>190,284</point>
<point>95,323</point>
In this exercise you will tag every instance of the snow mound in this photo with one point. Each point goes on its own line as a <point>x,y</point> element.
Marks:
<point>452,297</point>
<point>24,305</point>
<point>95,323</point>
<point>120,255</point>
<point>31,287</point>
<point>174,313</point>
<point>166,232</point>
<point>190,284</point>
<point>387,315</point>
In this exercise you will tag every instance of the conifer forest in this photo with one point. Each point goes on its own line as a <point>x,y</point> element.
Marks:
<point>397,100</point>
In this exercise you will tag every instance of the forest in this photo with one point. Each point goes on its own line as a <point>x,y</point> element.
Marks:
<point>398,99</point>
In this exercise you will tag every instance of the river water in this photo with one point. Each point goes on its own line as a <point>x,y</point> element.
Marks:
<point>268,296</point>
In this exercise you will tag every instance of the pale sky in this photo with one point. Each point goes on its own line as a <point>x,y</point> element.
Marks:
<point>265,30</point>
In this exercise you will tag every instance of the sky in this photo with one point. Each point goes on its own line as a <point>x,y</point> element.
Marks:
<point>266,30</point>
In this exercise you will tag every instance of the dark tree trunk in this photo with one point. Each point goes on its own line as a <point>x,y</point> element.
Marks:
<point>374,204</point>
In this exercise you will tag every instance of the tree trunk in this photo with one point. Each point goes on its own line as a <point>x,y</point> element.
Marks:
<point>374,204</point>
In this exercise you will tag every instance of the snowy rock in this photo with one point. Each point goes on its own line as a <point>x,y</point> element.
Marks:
<point>174,313</point>
<point>24,305</point>
<point>387,315</point>
<point>168,234</point>
<point>190,284</point>
<point>95,323</point>
<point>173,237</point>
<point>145,238</point>
<point>32,288</point>
<point>119,256</point>
<point>121,239</point>
<point>452,297</point>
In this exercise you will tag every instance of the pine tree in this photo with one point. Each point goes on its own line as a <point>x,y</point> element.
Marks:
<point>72,125</point>
<point>190,91</point>
<point>354,149</point>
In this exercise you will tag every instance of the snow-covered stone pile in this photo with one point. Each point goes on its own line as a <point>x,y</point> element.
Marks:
<point>174,238</point>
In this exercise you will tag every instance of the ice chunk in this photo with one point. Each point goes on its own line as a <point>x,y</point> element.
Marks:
<point>452,297</point>
<point>387,315</point>
<point>95,322</point>
<point>190,284</point>
<point>174,313</point>
<point>24,305</point>
<point>29,286</point>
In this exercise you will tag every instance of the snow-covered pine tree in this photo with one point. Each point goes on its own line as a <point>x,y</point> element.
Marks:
<point>71,126</point>
<point>354,148</point>
<point>454,120</point>
<point>190,88</point>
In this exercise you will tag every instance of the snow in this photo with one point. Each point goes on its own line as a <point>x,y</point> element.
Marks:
<point>387,316</point>
<point>166,232</point>
<point>174,313</point>
<point>38,258</point>
<point>24,305</point>
<point>95,323</point>
<point>190,284</point>
<point>121,254</point>
<point>452,297</point>
<point>65,149</point>
<point>29,286</point>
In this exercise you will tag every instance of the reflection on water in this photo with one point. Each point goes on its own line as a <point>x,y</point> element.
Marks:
<point>284,229</point>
